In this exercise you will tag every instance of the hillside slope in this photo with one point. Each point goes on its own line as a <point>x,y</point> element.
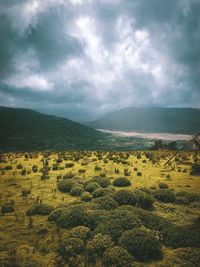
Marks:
<point>168,120</point>
<point>25,129</point>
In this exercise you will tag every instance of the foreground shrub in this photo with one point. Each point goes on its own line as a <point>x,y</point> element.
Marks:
<point>125,197</point>
<point>40,209</point>
<point>116,222</point>
<point>164,195</point>
<point>76,216</point>
<point>105,203</point>
<point>101,192</point>
<point>81,232</point>
<point>163,186</point>
<point>121,182</point>
<point>76,190</point>
<point>143,200</point>
<point>54,215</point>
<point>66,185</point>
<point>86,196</point>
<point>141,244</point>
<point>92,186</point>
<point>102,181</point>
<point>118,257</point>
<point>70,247</point>
<point>98,245</point>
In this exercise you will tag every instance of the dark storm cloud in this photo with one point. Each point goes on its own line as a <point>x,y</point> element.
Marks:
<point>82,58</point>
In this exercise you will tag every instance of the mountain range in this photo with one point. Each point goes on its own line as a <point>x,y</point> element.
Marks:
<point>151,120</point>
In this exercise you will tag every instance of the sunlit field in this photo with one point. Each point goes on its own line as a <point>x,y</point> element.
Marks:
<point>99,209</point>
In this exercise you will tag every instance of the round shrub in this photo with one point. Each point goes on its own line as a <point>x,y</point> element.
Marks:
<point>116,222</point>
<point>118,257</point>
<point>40,209</point>
<point>86,196</point>
<point>70,247</point>
<point>164,195</point>
<point>106,203</point>
<point>102,181</point>
<point>81,232</point>
<point>54,215</point>
<point>76,190</point>
<point>163,186</point>
<point>66,185</point>
<point>8,207</point>
<point>125,197</point>
<point>92,186</point>
<point>98,245</point>
<point>143,200</point>
<point>141,244</point>
<point>121,182</point>
<point>75,216</point>
<point>101,192</point>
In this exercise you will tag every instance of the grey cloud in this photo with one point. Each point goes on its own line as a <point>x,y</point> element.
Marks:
<point>87,63</point>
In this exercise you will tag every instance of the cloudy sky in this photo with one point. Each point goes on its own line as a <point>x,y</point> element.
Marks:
<point>83,58</point>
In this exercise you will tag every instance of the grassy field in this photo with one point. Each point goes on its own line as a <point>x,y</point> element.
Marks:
<point>32,179</point>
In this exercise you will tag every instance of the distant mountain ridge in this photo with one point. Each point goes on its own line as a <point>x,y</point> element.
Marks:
<point>151,120</point>
<point>26,129</point>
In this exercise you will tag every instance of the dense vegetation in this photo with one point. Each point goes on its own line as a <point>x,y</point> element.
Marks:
<point>78,209</point>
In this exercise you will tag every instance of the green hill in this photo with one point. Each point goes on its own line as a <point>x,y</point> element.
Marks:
<point>25,129</point>
<point>168,120</point>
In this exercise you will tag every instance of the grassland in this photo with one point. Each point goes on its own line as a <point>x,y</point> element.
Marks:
<point>29,179</point>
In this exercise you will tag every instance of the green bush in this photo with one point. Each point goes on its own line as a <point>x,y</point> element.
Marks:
<point>70,247</point>
<point>65,185</point>
<point>143,200</point>
<point>118,257</point>
<point>102,181</point>
<point>76,216</point>
<point>165,195</point>
<point>69,165</point>
<point>163,186</point>
<point>8,207</point>
<point>141,244</point>
<point>98,245</point>
<point>39,209</point>
<point>101,192</point>
<point>92,186</point>
<point>116,222</point>
<point>68,175</point>
<point>76,190</point>
<point>82,232</point>
<point>121,182</point>
<point>86,196</point>
<point>54,215</point>
<point>105,203</point>
<point>125,197</point>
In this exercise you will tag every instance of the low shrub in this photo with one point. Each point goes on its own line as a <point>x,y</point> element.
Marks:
<point>118,257</point>
<point>101,192</point>
<point>125,197</point>
<point>163,186</point>
<point>65,185</point>
<point>142,244</point>
<point>121,182</point>
<point>105,203</point>
<point>143,200</point>
<point>86,196</point>
<point>165,195</point>
<point>76,190</point>
<point>39,209</point>
<point>92,186</point>
<point>102,181</point>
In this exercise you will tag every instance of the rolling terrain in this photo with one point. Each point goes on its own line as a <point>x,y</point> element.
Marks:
<point>26,129</point>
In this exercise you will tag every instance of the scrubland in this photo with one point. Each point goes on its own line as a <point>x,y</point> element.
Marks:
<point>99,209</point>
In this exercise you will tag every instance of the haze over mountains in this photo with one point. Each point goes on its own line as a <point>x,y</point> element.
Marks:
<point>25,129</point>
<point>151,120</point>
